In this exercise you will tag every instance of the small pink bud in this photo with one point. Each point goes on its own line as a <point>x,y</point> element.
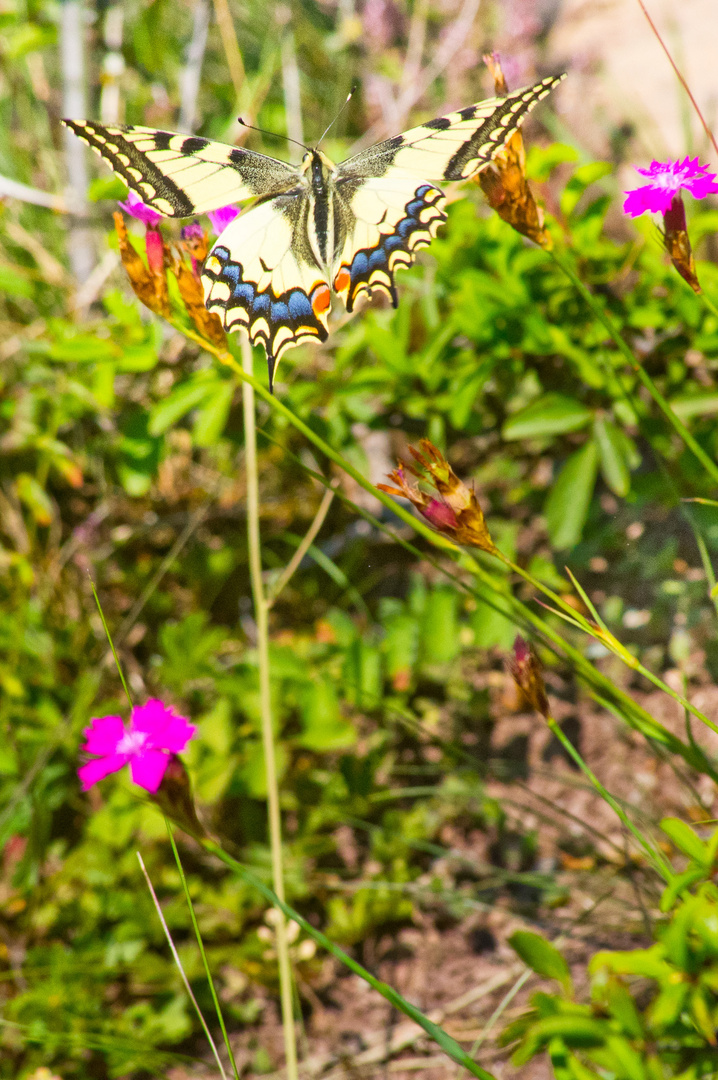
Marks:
<point>439,515</point>
<point>154,245</point>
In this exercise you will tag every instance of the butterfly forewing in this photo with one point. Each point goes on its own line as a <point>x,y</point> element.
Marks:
<point>182,175</point>
<point>452,147</point>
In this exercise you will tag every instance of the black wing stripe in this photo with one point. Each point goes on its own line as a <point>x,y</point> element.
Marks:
<point>496,128</point>
<point>113,147</point>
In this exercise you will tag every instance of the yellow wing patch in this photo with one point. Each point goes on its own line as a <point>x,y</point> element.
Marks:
<point>255,279</point>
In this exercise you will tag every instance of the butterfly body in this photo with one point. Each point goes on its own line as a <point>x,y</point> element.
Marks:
<point>315,228</point>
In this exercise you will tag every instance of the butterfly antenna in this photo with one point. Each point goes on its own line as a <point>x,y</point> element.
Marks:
<point>274,134</point>
<point>350,95</point>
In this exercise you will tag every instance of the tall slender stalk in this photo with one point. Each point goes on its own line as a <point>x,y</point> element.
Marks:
<point>261,612</point>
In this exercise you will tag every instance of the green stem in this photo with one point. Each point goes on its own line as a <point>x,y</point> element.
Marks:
<point>709,303</point>
<point>676,423</point>
<point>265,704</point>
<point>657,860</point>
<point>444,1040</point>
<point>602,689</point>
<point>609,640</point>
<point>106,628</point>
<point>200,943</point>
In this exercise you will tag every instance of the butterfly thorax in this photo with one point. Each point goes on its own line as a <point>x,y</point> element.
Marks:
<point>324,220</point>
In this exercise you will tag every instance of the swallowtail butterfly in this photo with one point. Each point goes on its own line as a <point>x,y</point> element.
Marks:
<point>314,228</point>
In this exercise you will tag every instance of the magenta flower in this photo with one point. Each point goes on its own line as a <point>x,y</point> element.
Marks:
<point>665,180</point>
<point>137,209</point>
<point>156,732</point>
<point>223,217</point>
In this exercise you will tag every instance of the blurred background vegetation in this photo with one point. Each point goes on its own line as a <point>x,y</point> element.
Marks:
<point>423,808</point>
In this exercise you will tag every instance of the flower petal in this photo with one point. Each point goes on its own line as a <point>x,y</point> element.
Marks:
<point>137,209</point>
<point>223,217</point>
<point>99,768</point>
<point>177,734</point>
<point>147,769</point>
<point>151,717</point>
<point>103,734</point>
<point>165,728</point>
<point>655,200</point>
<point>700,186</point>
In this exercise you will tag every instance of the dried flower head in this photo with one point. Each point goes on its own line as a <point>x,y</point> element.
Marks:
<point>525,670</point>
<point>455,512</point>
<point>148,282</point>
<point>504,182</point>
<point>155,733</point>
<point>207,323</point>
<point>195,242</point>
<point>666,179</point>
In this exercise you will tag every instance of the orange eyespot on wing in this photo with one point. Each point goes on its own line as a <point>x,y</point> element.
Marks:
<point>342,280</point>
<point>321,298</point>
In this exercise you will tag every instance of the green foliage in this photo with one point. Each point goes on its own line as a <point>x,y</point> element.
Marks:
<point>653,1012</point>
<point>120,455</point>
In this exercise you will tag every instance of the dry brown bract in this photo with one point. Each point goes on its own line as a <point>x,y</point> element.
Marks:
<point>677,244</point>
<point>456,512</point>
<point>504,182</point>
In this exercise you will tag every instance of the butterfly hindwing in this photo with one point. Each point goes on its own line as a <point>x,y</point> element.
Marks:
<point>261,276</point>
<point>182,175</point>
<point>389,219</point>
<point>452,147</point>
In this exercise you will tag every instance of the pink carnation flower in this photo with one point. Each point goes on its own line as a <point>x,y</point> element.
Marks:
<point>155,733</point>
<point>223,217</point>
<point>137,209</point>
<point>665,180</point>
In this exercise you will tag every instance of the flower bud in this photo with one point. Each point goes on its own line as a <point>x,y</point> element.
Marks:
<point>456,512</point>
<point>676,242</point>
<point>174,798</point>
<point>525,670</point>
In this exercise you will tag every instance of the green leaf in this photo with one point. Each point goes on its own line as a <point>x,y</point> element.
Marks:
<point>491,628</point>
<point>685,839</point>
<point>106,187</point>
<point>12,283</point>
<point>566,508</point>
<point>611,448</point>
<point>138,357</point>
<point>179,401</point>
<point>212,415</point>
<point>688,405</point>
<point>83,349</point>
<point>583,177</point>
<point>542,160</point>
<point>324,728</point>
<point>553,414</point>
<point>542,957</point>
<point>35,498</point>
<point>439,627</point>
